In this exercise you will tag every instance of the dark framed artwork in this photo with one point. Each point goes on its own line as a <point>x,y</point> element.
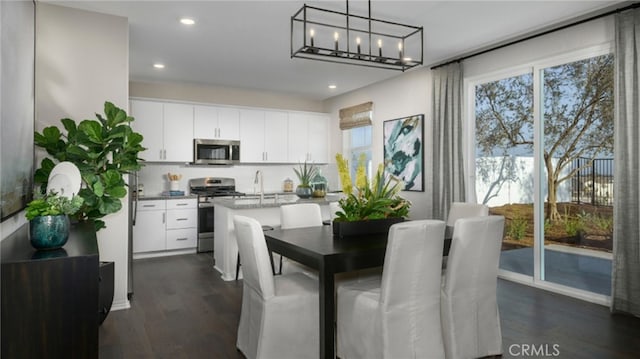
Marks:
<point>17,57</point>
<point>403,150</point>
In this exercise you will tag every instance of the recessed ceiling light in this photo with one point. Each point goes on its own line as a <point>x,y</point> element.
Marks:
<point>187,21</point>
<point>332,86</point>
<point>158,66</point>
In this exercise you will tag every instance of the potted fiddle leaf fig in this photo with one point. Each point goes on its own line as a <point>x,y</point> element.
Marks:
<point>103,149</point>
<point>372,206</point>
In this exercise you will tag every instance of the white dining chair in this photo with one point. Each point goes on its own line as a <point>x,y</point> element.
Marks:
<point>396,315</point>
<point>464,210</point>
<point>299,215</point>
<point>279,314</point>
<point>469,309</point>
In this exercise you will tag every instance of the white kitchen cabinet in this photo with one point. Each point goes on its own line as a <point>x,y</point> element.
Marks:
<point>148,122</point>
<point>212,122</point>
<point>263,136</point>
<point>167,129</point>
<point>182,223</point>
<point>308,138</point>
<point>178,132</point>
<point>149,232</point>
<point>165,225</point>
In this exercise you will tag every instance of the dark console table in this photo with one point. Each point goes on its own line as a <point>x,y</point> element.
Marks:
<point>50,298</point>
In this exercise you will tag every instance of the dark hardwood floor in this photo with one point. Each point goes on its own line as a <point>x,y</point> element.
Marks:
<point>182,309</point>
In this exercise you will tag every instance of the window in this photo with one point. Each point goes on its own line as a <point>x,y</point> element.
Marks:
<point>358,141</point>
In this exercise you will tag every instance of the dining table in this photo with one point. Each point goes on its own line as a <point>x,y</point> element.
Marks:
<point>316,247</point>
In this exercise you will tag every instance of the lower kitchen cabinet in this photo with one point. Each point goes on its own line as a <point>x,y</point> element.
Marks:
<point>165,225</point>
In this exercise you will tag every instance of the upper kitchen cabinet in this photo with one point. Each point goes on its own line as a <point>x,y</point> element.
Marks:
<point>216,123</point>
<point>167,129</point>
<point>308,137</point>
<point>263,136</point>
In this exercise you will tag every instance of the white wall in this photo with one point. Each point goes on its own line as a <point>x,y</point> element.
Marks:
<point>82,60</point>
<point>222,95</point>
<point>405,95</point>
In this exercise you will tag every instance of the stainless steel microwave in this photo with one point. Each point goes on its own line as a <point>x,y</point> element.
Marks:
<point>215,152</point>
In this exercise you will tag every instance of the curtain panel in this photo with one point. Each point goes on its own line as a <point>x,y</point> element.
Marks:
<point>625,295</point>
<point>448,166</point>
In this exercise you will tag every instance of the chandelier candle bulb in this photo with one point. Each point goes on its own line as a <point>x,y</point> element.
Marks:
<point>311,33</point>
<point>380,47</point>
<point>335,37</point>
<point>400,50</point>
<point>358,43</point>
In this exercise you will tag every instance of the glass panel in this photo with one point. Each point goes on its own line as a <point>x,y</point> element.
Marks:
<point>504,163</point>
<point>360,138</point>
<point>578,162</point>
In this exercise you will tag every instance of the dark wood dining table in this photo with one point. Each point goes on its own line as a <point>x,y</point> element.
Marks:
<point>317,248</point>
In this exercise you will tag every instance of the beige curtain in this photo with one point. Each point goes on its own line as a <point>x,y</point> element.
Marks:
<point>448,168</point>
<point>356,116</point>
<point>625,294</point>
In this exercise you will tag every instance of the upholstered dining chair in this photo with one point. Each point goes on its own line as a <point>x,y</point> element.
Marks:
<point>279,314</point>
<point>299,215</point>
<point>469,309</point>
<point>464,210</point>
<point>396,315</point>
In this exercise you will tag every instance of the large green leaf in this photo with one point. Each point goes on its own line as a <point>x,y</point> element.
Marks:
<point>110,205</point>
<point>93,130</point>
<point>116,192</point>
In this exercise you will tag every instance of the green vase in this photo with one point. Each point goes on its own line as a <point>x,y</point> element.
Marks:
<point>49,232</point>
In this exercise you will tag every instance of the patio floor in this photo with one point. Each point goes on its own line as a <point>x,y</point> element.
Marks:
<point>574,267</point>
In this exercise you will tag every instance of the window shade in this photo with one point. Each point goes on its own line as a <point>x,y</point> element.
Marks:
<point>356,116</point>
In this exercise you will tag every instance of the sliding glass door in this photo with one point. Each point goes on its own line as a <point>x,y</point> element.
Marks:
<point>544,160</point>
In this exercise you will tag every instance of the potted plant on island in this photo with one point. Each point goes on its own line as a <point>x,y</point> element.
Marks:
<point>372,206</point>
<point>48,217</point>
<point>305,173</point>
<point>103,150</point>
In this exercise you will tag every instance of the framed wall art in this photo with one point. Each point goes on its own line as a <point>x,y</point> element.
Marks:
<point>403,150</point>
<point>16,105</point>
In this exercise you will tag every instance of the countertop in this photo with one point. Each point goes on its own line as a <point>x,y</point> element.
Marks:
<point>161,196</point>
<point>271,200</point>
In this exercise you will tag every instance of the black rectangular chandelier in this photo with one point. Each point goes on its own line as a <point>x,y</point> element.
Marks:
<point>341,37</point>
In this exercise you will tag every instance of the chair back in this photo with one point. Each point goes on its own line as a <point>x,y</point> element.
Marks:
<point>470,318</point>
<point>300,215</point>
<point>475,255</point>
<point>410,289</point>
<point>464,210</point>
<point>256,266</point>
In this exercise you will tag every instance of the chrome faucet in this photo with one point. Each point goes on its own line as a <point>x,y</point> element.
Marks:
<point>258,178</point>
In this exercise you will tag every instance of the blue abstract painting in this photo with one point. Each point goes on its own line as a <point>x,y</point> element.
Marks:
<point>403,150</point>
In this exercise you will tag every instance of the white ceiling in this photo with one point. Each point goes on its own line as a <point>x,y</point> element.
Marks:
<point>245,44</point>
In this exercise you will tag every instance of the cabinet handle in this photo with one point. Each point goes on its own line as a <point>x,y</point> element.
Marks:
<point>181,219</point>
<point>160,154</point>
<point>181,239</point>
<point>165,154</point>
<point>266,156</point>
<point>182,204</point>
<point>164,218</point>
<point>148,205</point>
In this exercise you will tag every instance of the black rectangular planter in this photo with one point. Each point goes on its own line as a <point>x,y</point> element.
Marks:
<point>363,228</point>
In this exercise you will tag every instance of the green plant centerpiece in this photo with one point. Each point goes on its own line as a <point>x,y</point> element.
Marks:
<point>305,173</point>
<point>48,217</point>
<point>103,150</point>
<point>373,206</point>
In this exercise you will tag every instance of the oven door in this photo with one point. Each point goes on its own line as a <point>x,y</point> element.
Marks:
<point>205,227</point>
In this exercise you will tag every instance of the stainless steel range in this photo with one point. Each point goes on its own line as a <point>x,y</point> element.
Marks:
<point>206,188</point>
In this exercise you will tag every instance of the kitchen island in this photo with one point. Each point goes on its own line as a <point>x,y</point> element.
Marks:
<point>265,210</point>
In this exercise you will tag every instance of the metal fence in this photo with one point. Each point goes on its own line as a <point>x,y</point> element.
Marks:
<point>593,184</point>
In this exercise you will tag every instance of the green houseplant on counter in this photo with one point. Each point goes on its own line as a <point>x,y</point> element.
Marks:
<point>305,173</point>
<point>103,150</point>
<point>48,217</point>
<point>372,206</point>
